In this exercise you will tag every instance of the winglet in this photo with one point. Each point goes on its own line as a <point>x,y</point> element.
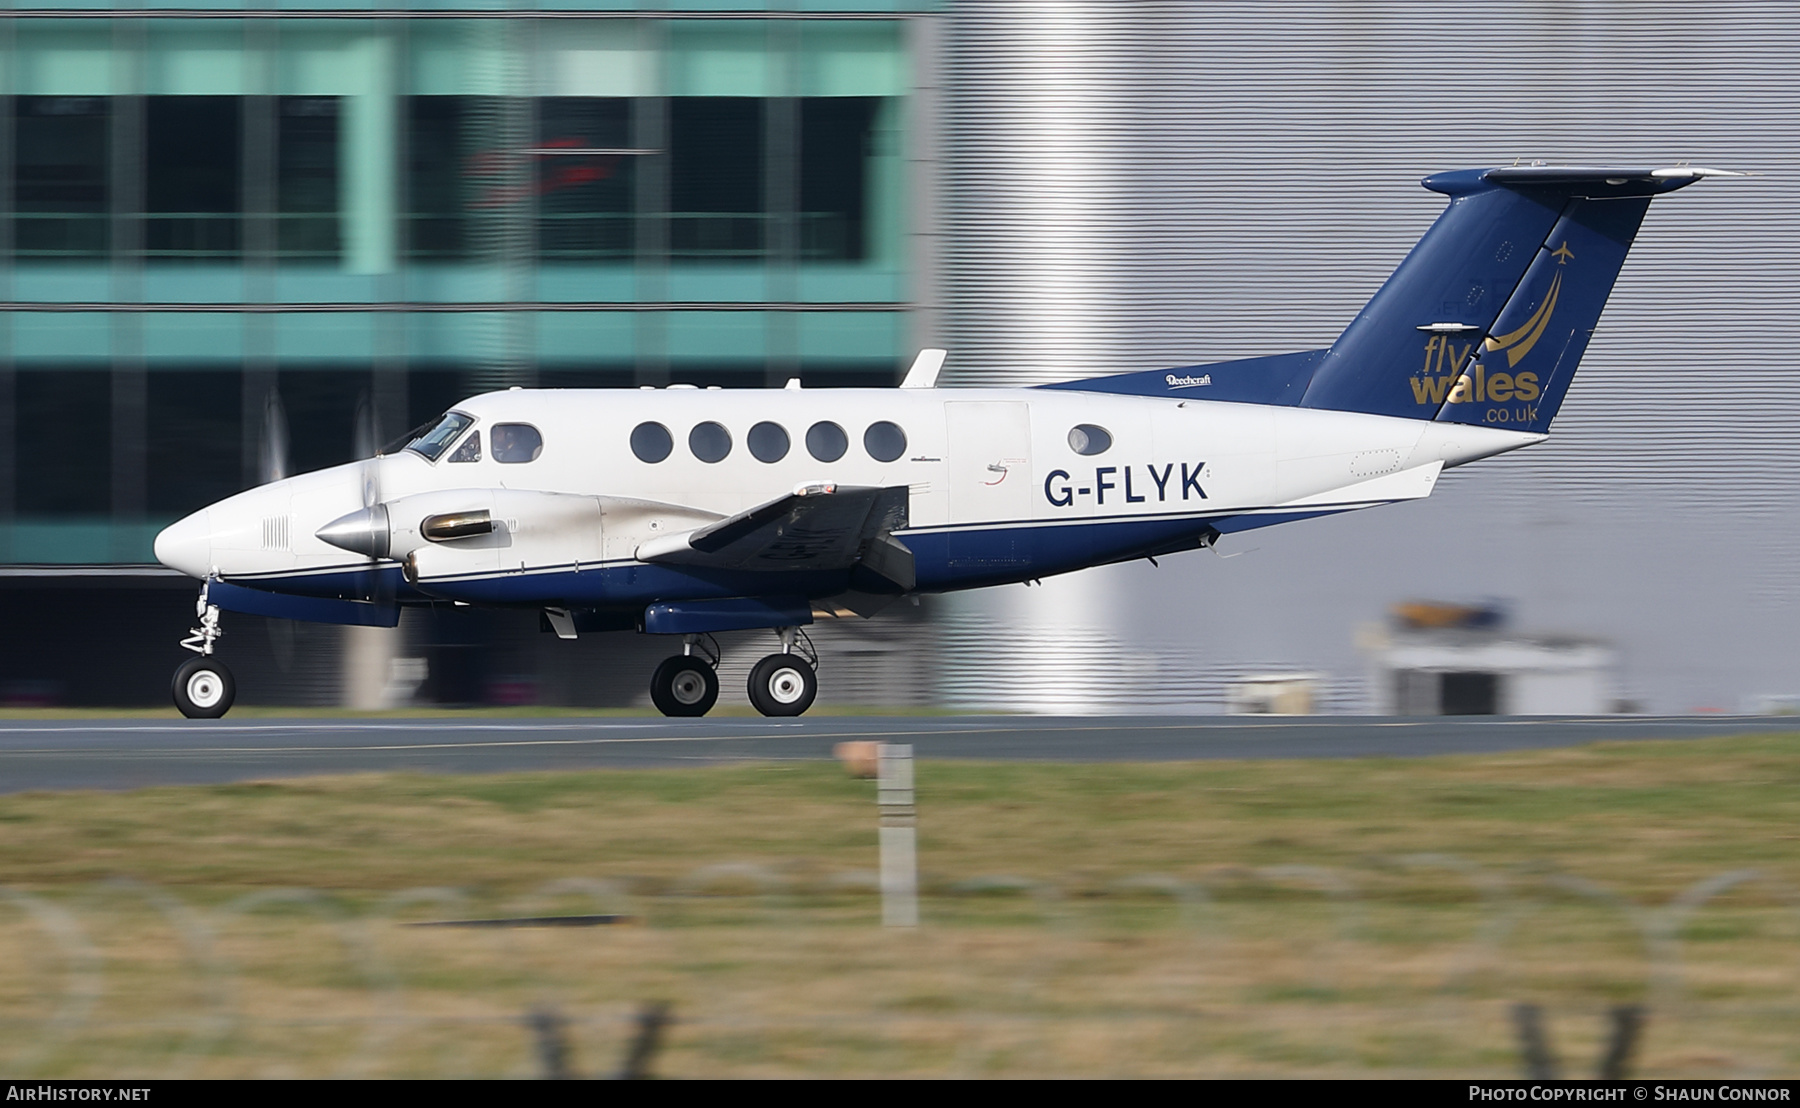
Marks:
<point>924,371</point>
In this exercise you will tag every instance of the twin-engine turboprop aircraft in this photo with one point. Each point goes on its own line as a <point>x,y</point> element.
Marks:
<point>686,511</point>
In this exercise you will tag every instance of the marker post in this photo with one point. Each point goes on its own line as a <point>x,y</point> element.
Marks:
<point>899,826</point>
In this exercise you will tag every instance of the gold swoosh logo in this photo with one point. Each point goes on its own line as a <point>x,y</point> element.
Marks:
<point>1518,343</point>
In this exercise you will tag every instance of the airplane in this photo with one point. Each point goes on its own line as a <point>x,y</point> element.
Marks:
<point>685,512</point>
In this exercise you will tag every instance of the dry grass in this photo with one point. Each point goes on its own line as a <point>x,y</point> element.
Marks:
<point>1334,917</point>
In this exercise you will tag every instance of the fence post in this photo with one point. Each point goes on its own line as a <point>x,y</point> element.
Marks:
<point>1534,1043</point>
<point>1627,1022</point>
<point>548,1027</point>
<point>899,855</point>
<point>652,1020</point>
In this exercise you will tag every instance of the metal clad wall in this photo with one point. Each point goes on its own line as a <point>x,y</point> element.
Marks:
<point>1137,185</point>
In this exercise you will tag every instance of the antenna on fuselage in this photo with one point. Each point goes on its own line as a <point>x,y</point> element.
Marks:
<point>924,371</point>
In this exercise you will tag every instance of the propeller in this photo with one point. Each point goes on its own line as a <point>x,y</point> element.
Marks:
<point>366,439</point>
<point>272,455</point>
<point>274,463</point>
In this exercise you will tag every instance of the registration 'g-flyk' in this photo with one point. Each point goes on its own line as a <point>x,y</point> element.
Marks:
<point>685,512</point>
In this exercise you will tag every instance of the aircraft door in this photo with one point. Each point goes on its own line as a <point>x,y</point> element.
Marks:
<point>990,459</point>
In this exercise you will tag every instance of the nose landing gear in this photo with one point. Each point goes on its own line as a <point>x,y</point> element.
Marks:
<point>203,687</point>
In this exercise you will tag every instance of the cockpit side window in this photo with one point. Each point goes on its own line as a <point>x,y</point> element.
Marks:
<point>470,450</point>
<point>434,442</point>
<point>515,442</point>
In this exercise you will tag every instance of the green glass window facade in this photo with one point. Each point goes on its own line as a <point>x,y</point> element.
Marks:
<point>221,231</point>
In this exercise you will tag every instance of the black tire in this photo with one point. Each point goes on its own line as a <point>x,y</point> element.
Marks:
<point>783,685</point>
<point>684,686</point>
<point>203,688</point>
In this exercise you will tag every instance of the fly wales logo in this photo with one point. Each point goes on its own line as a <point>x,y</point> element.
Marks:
<point>1442,380</point>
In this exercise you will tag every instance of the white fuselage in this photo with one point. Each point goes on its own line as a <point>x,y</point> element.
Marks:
<point>975,461</point>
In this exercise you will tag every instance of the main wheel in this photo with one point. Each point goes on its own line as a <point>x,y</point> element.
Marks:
<point>204,688</point>
<point>684,686</point>
<point>783,685</point>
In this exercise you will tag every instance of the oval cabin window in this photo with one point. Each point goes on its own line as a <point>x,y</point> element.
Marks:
<point>709,441</point>
<point>884,441</point>
<point>515,442</point>
<point>768,442</point>
<point>651,442</point>
<point>826,441</point>
<point>1085,438</point>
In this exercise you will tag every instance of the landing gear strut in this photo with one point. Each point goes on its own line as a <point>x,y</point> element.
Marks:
<point>203,687</point>
<point>686,685</point>
<point>785,684</point>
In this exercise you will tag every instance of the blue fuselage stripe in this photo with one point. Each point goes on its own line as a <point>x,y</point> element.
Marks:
<point>945,560</point>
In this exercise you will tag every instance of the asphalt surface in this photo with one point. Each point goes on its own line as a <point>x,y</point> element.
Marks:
<point>125,754</point>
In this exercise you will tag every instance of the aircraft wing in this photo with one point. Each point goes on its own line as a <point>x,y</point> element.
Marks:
<point>815,527</point>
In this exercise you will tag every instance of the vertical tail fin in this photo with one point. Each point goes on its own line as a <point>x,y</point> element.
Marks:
<point>1519,377</point>
<point>1485,320</point>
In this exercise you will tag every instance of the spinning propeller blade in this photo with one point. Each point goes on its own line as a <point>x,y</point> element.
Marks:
<point>366,437</point>
<point>272,451</point>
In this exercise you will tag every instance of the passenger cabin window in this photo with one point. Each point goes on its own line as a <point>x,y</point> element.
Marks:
<point>1085,438</point>
<point>515,442</point>
<point>651,442</point>
<point>434,442</point>
<point>768,442</point>
<point>470,450</point>
<point>710,442</point>
<point>826,441</point>
<point>884,441</point>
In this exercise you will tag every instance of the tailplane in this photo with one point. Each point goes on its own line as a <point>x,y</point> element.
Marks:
<point>1486,319</point>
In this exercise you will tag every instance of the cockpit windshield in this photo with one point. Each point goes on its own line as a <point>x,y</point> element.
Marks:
<point>435,441</point>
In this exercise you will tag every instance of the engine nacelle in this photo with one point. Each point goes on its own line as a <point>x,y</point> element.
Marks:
<point>443,536</point>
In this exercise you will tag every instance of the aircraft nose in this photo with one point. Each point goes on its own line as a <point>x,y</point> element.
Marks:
<point>186,545</point>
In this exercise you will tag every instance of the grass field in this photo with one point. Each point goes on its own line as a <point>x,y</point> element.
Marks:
<point>1220,918</point>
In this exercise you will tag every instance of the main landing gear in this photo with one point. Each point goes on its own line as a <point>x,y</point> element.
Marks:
<point>687,685</point>
<point>203,686</point>
<point>783,684</point>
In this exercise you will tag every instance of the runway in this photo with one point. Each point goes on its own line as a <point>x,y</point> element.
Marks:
<point>136,753</point>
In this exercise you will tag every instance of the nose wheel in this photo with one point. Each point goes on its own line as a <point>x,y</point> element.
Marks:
<point>204,688</point>
<point>684,686</point>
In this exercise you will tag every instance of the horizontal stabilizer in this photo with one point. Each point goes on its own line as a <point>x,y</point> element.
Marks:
<point>1604,180</point>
